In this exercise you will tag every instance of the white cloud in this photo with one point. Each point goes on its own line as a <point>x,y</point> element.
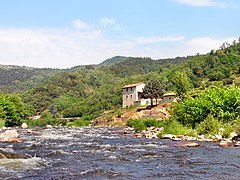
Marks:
<point>108,21</point>
<point>64,48</point>
<point>80,25</point>
<point>196,2</point>
<point>197,45</point>
<point>156,39</point>
<point>208,3</point>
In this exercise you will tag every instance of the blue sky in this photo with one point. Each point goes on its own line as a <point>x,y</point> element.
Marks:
<point>66,33</point>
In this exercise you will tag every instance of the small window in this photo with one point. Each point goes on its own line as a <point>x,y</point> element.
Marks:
<point>126,89</point>
<point>170,98</point>
<point>126,96</point>
<point>131,96</point>
<point>131,88</point>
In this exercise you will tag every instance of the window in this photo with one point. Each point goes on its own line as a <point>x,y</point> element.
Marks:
<point>126,89</point>
<point>170,98</point>
<point>131,96</point>
<point>126,96</point>
<point>131,88</point>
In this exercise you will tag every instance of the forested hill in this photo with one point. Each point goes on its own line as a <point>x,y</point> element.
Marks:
<point>91,90</point>
<point>21,78</point>
<point>114,60</point>
<point>134,66</point>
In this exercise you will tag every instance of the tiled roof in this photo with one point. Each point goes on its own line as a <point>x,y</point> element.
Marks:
<point>133,85</point>
<point>169,94</point>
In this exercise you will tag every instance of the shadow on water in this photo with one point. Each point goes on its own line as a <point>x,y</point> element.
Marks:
<point>100,153</point>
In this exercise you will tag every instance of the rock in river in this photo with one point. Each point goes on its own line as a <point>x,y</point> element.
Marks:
<point>188,144</point>
<point>24,126</point>
<point>9,136</point>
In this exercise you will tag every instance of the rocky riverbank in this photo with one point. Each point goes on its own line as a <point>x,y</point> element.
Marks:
<point>8,135</point>
<point>154,132</point>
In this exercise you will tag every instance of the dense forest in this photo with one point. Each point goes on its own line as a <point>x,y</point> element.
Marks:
<point>87,91</point>
<point>19,78</point>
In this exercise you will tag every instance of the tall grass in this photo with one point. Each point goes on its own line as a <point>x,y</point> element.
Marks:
<point>2,123</point>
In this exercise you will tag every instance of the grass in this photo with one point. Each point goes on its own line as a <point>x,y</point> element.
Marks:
<point>79,122</point>
<point>2,122</point>
<point>170,126</point>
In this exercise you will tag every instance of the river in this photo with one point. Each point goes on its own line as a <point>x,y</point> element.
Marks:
<point>106,153</point>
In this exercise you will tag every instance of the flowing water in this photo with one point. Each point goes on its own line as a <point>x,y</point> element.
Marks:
<point>104,153</point>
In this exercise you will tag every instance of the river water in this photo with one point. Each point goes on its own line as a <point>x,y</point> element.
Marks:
<point>104,153</point>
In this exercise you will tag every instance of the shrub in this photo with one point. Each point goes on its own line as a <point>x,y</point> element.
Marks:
<point>221,103</point>
<point>47,121</point>
<point>174,127</point>
<point>79,122</point>
<point>237,125</point>
<point>2,123</point>
<point>209,126</point>
<point>138,125</point>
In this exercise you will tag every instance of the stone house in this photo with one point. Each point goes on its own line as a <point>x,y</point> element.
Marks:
<point>132,95</point>
<point>169,97</point>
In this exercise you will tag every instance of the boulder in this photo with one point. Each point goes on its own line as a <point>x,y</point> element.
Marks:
<point>226,144</point>
<point>188,144</point>
<point>176,139</point>
<point>168,136</point>
<point>237,144</point>
<point>148,135</point>
<point>24,126</point>
<point>138,135</point>
<point>9,136</point>
<point>233,134</point>
<point>218,137</point>
<point>48,126</point>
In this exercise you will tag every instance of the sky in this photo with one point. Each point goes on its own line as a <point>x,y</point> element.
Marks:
<point>67,33</point>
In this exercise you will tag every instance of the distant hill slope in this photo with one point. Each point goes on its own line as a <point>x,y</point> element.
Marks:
<point>114,60</point>
<point>20,78</point>
<point>91,90</point>
<point>138,65</point>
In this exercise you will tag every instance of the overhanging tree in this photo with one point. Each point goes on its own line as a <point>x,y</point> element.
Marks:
<point>153,90</point>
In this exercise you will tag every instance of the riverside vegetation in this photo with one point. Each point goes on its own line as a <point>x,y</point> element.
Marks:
<point>77,96</point>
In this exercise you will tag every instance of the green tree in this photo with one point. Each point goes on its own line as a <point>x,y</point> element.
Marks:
<point>153,90</point>
<point>181,83</point>
<point>13,110</point>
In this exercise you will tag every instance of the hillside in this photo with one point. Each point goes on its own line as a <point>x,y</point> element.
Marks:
<point>21,78</point>
<point>88,91</point>
<point>114,60</point>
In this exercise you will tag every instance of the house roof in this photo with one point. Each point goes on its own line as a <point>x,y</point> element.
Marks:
<point>169,94</point>
<point>133,85</point>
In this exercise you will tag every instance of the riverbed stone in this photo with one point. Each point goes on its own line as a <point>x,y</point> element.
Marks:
<point>188,144</point>
<point>9,136</point>
<point>176,139</point>
<point>138,135</point>
<point>24,126</point>
<point>224,143</point>
<point>168,136</point>
<point>233,134</point>
<point>48,126</point>
<point>237,144</point>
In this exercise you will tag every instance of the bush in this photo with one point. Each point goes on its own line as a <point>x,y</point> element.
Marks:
<point>170,126</point>
<point>237,125</point>
<point>47,121</point>
<point>209,126</point>
<point>221,103</point>
<point>2,123</point>
<point>79,122</point>
<point>141,124</point>
<point>174,127</point>
<point>138,125</point>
